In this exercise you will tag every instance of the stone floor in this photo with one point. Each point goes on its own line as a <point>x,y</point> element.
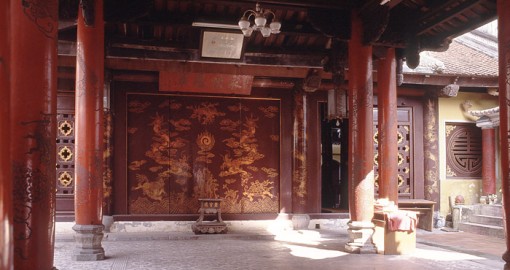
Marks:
<point>307,249</point>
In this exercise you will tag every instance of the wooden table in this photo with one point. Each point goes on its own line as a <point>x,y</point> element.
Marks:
<point>425,209</point>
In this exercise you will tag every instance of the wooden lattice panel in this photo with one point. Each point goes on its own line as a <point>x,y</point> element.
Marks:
<point>463,150</point>
<point>405,153</point>
<point>65,155</point>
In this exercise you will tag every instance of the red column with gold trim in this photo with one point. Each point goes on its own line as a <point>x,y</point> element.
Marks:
<point>488,161</point>
<point>34,26</point>
<point>89,133</point>
<point>504,103</point>
<point>6,226</point>
<point>387,126</point>
<point>299,163</point>
<point>361,147</point>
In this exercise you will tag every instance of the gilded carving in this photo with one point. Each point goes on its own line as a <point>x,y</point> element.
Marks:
<point>65,179</point>
<point>449,129</point>
<point>201,150</point>
<point>65,128</point>
<point>450,172</point>
<point>137,106</point>
<point>269,111</point>
<point>271,173</point>
<point>154,190</point>
<point>431,150</point>
<point>65,154</point>
<point>205,113</point>
<point>260,189</point>
<point>135,165</point>
<point>274,138</point>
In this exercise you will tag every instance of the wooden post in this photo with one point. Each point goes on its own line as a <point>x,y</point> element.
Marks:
<point>361,147</point>
<point>387,126</point>
<point>488,161</point>
<point>431,148</point>
<point>6,226</point>
<point>299,167</point>
<point>504,103</point>
<point>89,133</point>
<point>33,130</point>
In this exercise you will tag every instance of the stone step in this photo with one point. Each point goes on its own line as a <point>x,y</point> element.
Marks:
<point>486,220</point>
<point>494,231</point>
<point>495,210</point>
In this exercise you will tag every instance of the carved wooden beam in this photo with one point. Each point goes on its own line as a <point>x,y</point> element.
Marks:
<point>437,16</point>
<point>375,20</point>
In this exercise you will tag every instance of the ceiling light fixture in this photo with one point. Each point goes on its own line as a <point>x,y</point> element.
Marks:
<point>256,20</point>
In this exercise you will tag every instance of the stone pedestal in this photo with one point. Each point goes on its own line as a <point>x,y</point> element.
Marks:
<point>300,221</point>
<point>360,238</point>
<point>88,243</point>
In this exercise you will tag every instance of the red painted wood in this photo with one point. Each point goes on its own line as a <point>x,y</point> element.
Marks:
<point>488,161</point>
<point>504,96</point>
<point>89,119</point>
<point>33,130</point>
<point>6,226</point>
<point>205,83</point>
<point>361,153</point>
<point>299,157</point>
<point>387,126</point>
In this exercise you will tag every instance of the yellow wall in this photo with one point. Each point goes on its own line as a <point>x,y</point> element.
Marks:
<point>450,111</point>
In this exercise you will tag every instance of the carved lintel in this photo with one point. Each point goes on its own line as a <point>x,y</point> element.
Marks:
<point>312,81</point>
<point>336,61</point>
<point>375,20</point>
<point>87,9</point>
<point>412,53</point>
<point>400,72</point>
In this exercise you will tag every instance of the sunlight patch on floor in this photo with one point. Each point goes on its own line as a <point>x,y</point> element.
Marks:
<point>313,253</point>
<point>443,255</point>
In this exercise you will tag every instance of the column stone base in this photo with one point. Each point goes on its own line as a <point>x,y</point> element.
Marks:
<point>360,238</point>
<point>300,221</point>
<point>88,243</point>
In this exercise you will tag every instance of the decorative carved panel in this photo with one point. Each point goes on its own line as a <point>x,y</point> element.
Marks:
<point>405,154</point>
<point>65,155</point>
<point>463,150</point>
<point>182,148</point>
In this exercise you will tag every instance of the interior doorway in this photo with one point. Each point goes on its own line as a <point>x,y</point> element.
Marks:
<point>334,144</point>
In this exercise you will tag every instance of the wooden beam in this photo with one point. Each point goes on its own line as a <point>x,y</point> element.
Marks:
<point>443,15</point>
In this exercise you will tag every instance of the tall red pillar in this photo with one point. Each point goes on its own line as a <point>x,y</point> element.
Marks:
<point>300,173</point>
<point>33,63</point>
<point>488,161</point>
<point>504,103</point>
<point>387,126</point>
<point>6,226</point>
<point>89,133</point>
<point>361,152</point>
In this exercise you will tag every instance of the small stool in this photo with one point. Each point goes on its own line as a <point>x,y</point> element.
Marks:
<point>209,207</point>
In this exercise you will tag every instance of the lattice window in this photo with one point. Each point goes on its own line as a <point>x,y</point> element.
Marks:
<point>463,150</point>
<point>405,181</point>
<point>65,154</point>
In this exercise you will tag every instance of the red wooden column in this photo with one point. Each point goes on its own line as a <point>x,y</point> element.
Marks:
<point>361,152</point>
<point>6,226</point>
<point>33,107</point>
<point>488,161</point>
<point>300,220</point>
<point>387,121</point>
<point>504,103</point>
<point>89,133</point>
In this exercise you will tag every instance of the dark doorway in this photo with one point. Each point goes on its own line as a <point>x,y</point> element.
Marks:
<point>334,162</point>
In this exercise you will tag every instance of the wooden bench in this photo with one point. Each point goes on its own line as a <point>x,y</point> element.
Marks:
<point>424,208</point>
